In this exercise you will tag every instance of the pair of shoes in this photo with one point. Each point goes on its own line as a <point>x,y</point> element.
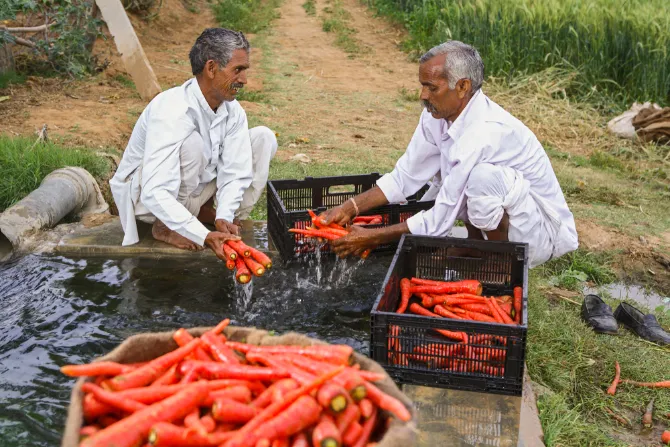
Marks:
<point>598,315</point>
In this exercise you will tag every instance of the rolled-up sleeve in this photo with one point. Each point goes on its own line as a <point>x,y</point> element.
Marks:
<point>419,163</point>
<point>161,176</point>
<point>234,171</point>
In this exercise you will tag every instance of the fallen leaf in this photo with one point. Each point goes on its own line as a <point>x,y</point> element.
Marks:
<point>302,158</point>
<point>4,98</point>
<point>302,140</point>
<point>357,135</point>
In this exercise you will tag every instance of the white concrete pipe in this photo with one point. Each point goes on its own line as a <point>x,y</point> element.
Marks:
<point>67,191</point>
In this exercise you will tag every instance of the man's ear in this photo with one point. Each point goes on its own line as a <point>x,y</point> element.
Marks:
<point>211,67</point>
<point>463,86</point>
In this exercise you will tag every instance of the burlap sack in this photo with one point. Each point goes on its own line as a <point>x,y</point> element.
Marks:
<point>144,347</point>
<point>653,125</point>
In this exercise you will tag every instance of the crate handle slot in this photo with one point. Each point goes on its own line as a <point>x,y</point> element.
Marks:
<point>470,253</point>
<point>341,189</point>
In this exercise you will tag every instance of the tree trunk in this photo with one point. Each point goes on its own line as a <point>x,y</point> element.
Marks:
<point>6,58</point>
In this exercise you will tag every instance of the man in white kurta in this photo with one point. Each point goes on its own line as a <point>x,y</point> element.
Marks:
<point>486,168</point>
<point>191,145</point>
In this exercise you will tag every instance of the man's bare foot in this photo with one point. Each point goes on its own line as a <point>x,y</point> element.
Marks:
<point>162,233</point>
<point>207,213</point>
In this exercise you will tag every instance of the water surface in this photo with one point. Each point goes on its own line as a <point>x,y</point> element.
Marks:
<point>55,311</point>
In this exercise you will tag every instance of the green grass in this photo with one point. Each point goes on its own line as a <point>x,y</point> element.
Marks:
<point>24,165</point>
<point>616,49</point>
<point>251,96</point>
<point>248,16</point>
<point>574,269</point>
<point>124,80</point>
<point>310,7</point>
<point>336,20</point>
<point>11,77</point>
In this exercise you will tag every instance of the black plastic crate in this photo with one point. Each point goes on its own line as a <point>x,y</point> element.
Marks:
<point>495,359</point>
<point>289,200</point>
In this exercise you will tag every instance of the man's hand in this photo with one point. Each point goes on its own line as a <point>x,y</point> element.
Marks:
<point>342,214</point>
<point>356,242</point>
<point>215,241</point>
<point>223,226</point>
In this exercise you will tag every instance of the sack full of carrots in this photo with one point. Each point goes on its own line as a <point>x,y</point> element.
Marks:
<point>231,387</point>
<point>453,350</point>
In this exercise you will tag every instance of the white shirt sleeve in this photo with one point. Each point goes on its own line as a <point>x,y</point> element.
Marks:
<point>234,170</point>
<point>161,176</point>
<point>419,163</point>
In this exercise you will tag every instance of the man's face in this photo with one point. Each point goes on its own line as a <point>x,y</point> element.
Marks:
<point>230,79</point>
<point>436,96</point>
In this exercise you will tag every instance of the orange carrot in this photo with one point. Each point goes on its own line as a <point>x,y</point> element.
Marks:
<point>227,410</point>
<point>254,267</point>
<point>208,423</point>
<point>507,308</point>
<point>323,234</point>
<point>153,394</point>
<point>261,258</point>
<point>88,430</point>
<point>223,324</point>
<point>192,421</point>
<point>240,394</point>
<point>518,300</point>
<point>456,299</point>
<point>96,369</point>
<point>300,440</point>
<point>302,413</point>
<point>366,408</point>
<point>230,253</point>
<point>241,439</point>
<point>326,434</point>
<point>230,265</point>
<point>113,399</point>
<point>240,247</point>
<point>368,426</point>
<point>151,371</point>
<point>617,375</point>
<point>443,312</point>
<point>265,398</point>
<point>405,294</point>
<point>494,312</point>
<point>218,349</point>
<point>476,316</point>
<point>388,403</point>
<point>215,370</point>
<point>132,430</point>
<point>350,414</point>
<point>164,434</point>
<point>352,433</point>
<point>332,397</point>
<point>505,317</point>
<point>481,307</point>
<point>182,337</point>
<point>415,308</point>
<point>93,408</point>
<point>243,275</point>
<point>281,442</point>
<point>336,354</point>
<point>366,219</point>
<point>665,437</point>
<point>466,286</point>
<point>664,384</point>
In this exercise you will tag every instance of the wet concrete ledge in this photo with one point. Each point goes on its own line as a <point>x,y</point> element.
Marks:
<point>105,240</point>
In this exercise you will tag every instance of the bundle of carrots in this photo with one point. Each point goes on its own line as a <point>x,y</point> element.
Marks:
<point>245,260</point>
<point>368,220</point>
<point>214,392</point>
<point>329,232</point>
<point>458,300</point>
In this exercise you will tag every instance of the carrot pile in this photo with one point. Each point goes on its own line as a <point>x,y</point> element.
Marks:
<point>245,260</point>
<point>214,392</point>
<point>330,232</point>
<point>458,300</point>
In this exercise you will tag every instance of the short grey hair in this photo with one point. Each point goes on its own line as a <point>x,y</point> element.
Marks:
<point>216,44</point>
<point>462,62</point>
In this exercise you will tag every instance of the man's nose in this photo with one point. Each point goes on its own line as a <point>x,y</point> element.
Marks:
<point>424,94</point>
<point>242,78</point>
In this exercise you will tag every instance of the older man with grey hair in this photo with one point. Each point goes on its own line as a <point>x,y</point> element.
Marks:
<point>486,168</point>
<point>192,146</point>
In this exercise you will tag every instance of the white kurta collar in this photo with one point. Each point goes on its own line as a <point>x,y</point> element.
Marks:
<point>221,111</point>
<point>466,116</point>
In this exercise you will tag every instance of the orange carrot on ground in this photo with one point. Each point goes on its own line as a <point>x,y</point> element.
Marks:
<point>182,337</point>
<point>405,295</point>
<point>230,253</point>
<point>415,308</point>
<point>261,258</point>
<point>366,408</point>
<point>265,398</point>
<point>518,302</point>
<point>164,434</point>
<point>227,410</point>
<point>470,286</point>
<point>113,399</point>
<point>665,437</point>
<point>132,430</point>
<point>241,439</point>
<point>218,349</point>
<point>240,247</point>
<point>96,369</point>
<point>332,397</point>
<point>663,384</point>
<point>325,433</point>
<point>254,267</point>
<point>350,414</point>
<point>243,275</point>
<point>151,371</point>
<point>352,433</point>
<point>617,375</point>
<point>368,426</point>
<point>300,440</point>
